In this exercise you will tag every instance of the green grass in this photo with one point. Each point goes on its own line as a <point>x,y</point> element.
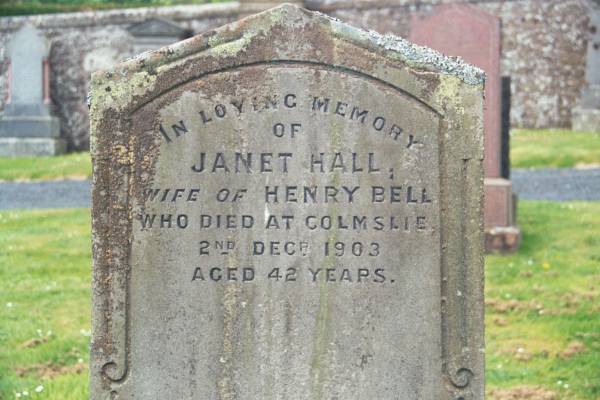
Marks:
<point>45,265</point>
<point>547,148</point>
<point>544,299</point>
<point>23,7</point>
<point>539,302</point>
<point>70,166</point>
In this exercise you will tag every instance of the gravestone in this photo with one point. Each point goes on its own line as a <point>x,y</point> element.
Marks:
<point>154,33</point>
<point>288,207</point>
<point>468,32</point>
<point>505,142</point>
<point>586,117</point>
<point>26,126</point>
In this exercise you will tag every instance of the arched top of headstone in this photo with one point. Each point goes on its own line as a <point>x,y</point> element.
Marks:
<point>290,33</point>
<point>28,40</point>
<point>156,27</point>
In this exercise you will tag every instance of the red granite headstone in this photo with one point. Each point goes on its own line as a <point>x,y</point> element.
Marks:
<point>474,35</point>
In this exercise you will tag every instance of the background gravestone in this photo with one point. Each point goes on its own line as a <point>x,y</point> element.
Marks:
<point>474,35</point>
<point>586,117</point>
<point>288,207</point>
<point>26,126</point>
<point>155,33</point>
<point>505,129</point>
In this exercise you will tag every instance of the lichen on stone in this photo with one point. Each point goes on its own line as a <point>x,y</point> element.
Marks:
<point>223,45</point>
<point>414,55</point>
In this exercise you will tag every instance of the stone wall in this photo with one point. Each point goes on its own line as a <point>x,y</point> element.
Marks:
<point>85,41</point>
<point>544,48</point>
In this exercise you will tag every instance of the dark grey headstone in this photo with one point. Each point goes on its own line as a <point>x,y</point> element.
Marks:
<point>586,117</point>
<point>591,94</point>
<point>505,128</point>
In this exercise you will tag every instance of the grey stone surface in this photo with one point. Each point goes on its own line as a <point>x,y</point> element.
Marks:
<point>288,208</point>
<point>52,194</point>
<point>31,147</point>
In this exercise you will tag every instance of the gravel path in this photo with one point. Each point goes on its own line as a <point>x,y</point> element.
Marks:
<point>557,184</point>
<point>52,194</point>
<point>545,184</point>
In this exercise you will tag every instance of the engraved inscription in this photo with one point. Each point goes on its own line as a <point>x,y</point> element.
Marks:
<point>306,184</point>
<point>307,197</point>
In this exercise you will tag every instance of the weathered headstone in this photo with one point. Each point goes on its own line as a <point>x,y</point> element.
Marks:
<point>467,31</point>
<point>155,33</point>
<point>26,126</point>
<point>288,208</point>
<point>586,117</point>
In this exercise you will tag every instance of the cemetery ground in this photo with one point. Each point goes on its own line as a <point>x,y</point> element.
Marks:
<point>547,148</point>
<point>529,149</point>
<point>542,305</point>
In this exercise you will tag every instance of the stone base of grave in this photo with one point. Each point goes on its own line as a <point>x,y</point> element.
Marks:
<point>501,231</point>
<point>31,147</point>
<point>30,136</point>
<point>586,120</point>
<point>502,239</point>
<point>43,126</point>
<point>500,202</point>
